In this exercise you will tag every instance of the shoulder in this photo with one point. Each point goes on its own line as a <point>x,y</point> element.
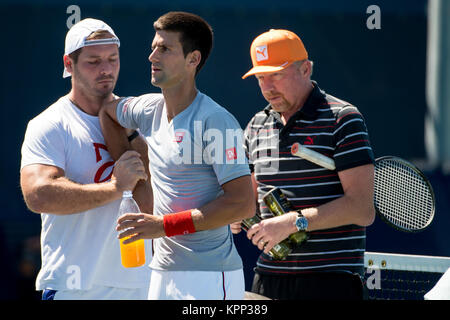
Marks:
<point>150,99</point>
<point>146,101</point>
<point>259,119</point>
<point>52,117</point>
<point>208,106</point>
<point>341,109</point>
<point>211,110</point>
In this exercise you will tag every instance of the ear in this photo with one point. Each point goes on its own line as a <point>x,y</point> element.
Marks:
<point>194,58</point>
<point>306,68</point>
<point>68,63</point>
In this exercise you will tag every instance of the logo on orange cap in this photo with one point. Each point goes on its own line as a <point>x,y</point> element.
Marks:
<point>261,53</point>
<point>275,50</point>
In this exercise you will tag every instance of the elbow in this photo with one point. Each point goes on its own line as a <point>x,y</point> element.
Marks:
<point>244,208</point>
<point>36,198</point>
<point>368,217</point>
<point>249,208</point>
<point>34,203</point>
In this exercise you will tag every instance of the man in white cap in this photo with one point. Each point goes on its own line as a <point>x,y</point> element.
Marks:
<point>68,176</point>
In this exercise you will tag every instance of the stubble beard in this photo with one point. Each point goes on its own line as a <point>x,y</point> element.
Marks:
<point>101,91</point>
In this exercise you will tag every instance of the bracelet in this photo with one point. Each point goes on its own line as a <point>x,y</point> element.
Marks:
<point>178,223</point>
<point>133,135</point>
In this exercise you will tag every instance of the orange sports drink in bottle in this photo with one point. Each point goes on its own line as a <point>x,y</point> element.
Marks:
<point>132,254</point>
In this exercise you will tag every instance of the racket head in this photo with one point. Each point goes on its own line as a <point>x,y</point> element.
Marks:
<point>403,196</point>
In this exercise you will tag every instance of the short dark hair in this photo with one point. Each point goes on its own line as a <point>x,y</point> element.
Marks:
<point>195,32</point>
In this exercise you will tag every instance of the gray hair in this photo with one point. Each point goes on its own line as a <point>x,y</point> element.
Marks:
<point>300,62</point>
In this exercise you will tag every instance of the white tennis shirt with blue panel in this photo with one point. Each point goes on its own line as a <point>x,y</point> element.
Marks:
<point>191,156</point>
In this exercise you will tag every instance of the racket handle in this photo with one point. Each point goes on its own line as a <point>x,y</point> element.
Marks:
<point>313,156</point>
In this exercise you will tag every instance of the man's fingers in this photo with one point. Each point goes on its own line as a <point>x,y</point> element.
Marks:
<point>268,246</point>
<point>130,236</point>
<point>133,238</point>
<point>130,217</point>
<point>252,231</point>
<point>235,227</point>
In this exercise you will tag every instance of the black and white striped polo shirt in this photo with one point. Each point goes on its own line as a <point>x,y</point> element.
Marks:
<point>334,128</point>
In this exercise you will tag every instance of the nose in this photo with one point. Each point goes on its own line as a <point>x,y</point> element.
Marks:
<point>152,56</point>
<point>265,84</point>
<point>106,68</point>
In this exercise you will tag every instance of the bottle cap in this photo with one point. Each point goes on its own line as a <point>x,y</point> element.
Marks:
<point>127,193</point>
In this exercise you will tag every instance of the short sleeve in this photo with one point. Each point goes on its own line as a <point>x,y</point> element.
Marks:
<point>128,112</point>
<point>136,112</point>
<point>352,141</point>
<point>44,143</point>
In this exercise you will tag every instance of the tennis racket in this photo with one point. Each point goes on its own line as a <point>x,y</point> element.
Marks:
<point>403,196</point>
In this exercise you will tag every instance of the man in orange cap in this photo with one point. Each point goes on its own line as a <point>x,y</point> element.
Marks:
<point>332,206</point>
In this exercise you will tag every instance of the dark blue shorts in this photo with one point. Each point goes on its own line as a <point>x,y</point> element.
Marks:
<point>48,294</point>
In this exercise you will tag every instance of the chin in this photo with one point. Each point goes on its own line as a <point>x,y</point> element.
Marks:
<point>105,92</point>
<point>277,108</point>
<point>157,83</point>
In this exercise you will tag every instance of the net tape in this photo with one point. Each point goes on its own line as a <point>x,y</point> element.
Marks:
<point>402,276</point>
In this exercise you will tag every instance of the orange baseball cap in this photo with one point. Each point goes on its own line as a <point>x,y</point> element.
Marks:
<point>275,50</point>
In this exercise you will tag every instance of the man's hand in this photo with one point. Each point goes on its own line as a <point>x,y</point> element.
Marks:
<point>140,226</point>
<point>269,232</point>
<point>236,227</point>
<point>128,170</point>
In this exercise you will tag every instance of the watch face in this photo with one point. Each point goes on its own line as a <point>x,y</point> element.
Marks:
<point>301,223</point>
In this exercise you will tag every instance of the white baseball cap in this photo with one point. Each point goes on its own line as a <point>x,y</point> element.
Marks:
<point>76,37</point>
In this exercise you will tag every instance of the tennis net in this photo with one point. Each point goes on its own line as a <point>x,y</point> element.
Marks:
<point>392,276</point>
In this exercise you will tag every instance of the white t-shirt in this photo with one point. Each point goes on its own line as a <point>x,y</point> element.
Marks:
<point>78,250</point>
<point>191,157</point>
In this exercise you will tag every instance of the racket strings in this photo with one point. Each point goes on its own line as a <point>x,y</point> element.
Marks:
<point>402,196</point>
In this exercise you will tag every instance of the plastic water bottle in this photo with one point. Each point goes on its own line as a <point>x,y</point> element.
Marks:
<point>132,254</point>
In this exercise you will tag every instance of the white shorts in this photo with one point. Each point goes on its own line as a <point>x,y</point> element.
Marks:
<point>103,293</point>
<point>197,285</point>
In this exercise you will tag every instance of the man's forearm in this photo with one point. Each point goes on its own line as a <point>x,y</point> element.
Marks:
<point>235,204</point>
<point>46,188</point>
<point>228,208</point>
<point>340,212</point>
<point>116,140</point>
<point>115,135</point>
<point>143,193</point>
<point>63,196</point>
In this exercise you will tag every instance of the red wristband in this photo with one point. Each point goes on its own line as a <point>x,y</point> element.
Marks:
<point>178,223</point>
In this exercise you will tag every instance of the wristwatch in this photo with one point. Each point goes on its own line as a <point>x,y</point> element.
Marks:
<point>301,223</point>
